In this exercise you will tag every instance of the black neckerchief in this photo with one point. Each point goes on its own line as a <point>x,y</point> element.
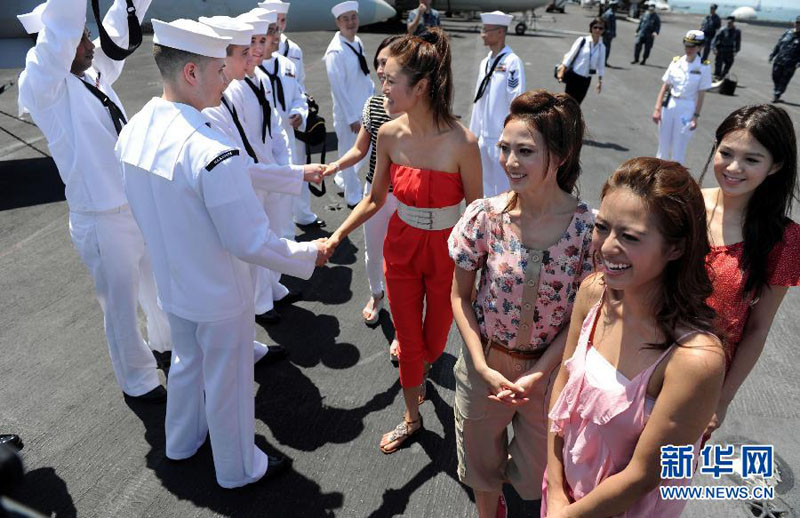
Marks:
<point>266,109</point>
<point>247,147</point>
<point>117,117</point>
<point>362,61</point>
<point>111,49</point>
<point>277,85</point>
<point>485,81</point>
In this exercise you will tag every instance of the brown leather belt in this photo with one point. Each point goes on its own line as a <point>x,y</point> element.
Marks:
<point>519,355</point>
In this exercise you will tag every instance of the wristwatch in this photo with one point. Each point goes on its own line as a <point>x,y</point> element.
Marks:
<point>696,115</point>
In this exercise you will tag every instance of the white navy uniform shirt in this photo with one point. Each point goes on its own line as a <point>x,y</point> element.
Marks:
<point>192,198</point>
<point>292,50</point>
<point>268,177</point>
<point>591,57</point>
<point>506,83</point>
<point>78,128</point>
<point>686,79</point>
<point>293,96</point>
<point>350,87</point>
<point>275,148</point>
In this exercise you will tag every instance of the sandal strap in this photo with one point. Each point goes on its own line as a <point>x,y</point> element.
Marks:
<point>402,430</point>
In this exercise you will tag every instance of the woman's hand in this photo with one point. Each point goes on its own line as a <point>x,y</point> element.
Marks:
<point>716,420</point>
<point>498,383</point>
<point>526,382</point>
<point>657,115</point>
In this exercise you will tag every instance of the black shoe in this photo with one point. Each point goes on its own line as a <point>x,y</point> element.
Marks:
<point>776,99</point>
<point>276,465</point>
<point>290,298</point>
<point>643,62</point>
<point>12,440</point>
<point>157,395</point>
<point>274,353</point>
<point>351,207</point>
<point>270,317</point>
<point>634,61</point>
<point>319,223</point>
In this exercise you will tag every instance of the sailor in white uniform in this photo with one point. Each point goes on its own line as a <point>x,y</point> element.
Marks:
<point>253,98</point>
<point>289,99</point>
<point>351,86</point>
<point>66,87</point>
<point>301,204</point>
<point>686,80</point>
<point>191,195</point>
<point>501,78</point>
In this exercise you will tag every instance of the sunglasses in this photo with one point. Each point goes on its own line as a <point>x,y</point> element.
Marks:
<point>598,27</point>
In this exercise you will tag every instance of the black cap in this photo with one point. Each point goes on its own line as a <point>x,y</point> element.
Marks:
<point>731,18</point>
<point>713,6</point>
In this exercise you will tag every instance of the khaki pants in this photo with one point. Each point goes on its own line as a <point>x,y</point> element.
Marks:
<point>486,459</point>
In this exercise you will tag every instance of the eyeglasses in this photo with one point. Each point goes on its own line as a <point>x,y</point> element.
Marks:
<point>598,27</point>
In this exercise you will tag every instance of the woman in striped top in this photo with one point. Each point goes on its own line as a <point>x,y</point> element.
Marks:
<point>373,117</point>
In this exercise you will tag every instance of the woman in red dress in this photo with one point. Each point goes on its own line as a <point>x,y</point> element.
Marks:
<point>433,163</point>
<point>755,252</point>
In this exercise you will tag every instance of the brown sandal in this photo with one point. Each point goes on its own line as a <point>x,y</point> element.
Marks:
<point>400,435</point>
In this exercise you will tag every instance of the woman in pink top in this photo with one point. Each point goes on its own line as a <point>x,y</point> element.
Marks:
<point>641,369</point>
<point>755,255</point>
<point>532,247</point>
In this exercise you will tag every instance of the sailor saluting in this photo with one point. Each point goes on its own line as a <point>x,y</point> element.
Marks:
<point>190,193</point>
<point>66,87</point>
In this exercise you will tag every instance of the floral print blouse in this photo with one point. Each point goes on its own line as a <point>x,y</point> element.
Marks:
<point>483,238</point>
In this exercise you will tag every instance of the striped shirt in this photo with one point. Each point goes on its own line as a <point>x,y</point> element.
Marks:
<point>372,118</point>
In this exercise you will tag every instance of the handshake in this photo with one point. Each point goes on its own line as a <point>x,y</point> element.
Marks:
<point>326,246</point>
<point>314,173</point>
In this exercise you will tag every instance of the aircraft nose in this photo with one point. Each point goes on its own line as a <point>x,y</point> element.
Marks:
<point>374,11</point>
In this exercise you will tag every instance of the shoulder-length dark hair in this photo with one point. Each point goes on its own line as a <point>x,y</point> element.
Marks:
<point>382,45</point>
<point>427,56</point>
<point>770,205</point>
<point>558,119</point>
<point>673,197</point>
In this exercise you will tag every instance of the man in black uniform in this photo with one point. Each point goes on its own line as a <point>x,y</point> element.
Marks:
<point>610,17</point>
<point>710,26</point>
<point>726,45</point>
<point>785,57</point>
<point>649,27</point>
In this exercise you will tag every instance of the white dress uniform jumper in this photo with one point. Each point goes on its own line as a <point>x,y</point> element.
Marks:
<point>501,78</point>
<point>193,199</point>
<point>81,132</point>
<point>351,86</point>
<point>684,81</point>
<point>288,99</point>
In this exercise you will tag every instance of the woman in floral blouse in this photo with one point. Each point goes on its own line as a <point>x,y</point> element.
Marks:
<point>533,248</point>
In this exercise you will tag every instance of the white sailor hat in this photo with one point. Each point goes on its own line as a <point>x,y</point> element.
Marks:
<point>238,31</point>
<point>264,15</point>
<point>275,5</point>
<point>344,7</point>
<point>190,36</point>
<point>496,18</point>
<point>694,38</point>
<point>259,26</point>
<point>32,21</point>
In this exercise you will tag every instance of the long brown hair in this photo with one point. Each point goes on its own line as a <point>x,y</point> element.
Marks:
<point>558,118</point>
<point>672,196</point>
<point>768,210</point>
<point>428,57</point>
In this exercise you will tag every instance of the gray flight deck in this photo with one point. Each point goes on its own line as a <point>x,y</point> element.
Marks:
<point>90,454</point>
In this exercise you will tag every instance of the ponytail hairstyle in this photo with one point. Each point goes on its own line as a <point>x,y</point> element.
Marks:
<point>674,199</point>
<point>557,117</point>
<point>385,43</point>
<point>768,210</point>
<point>427,56</point>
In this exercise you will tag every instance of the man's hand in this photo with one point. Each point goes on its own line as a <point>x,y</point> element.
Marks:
<point>322,251</point>
<point>422,8</point>
<point>355,127</point>
<point>560,74</point>
<point>312,173</point>
<point>599,86</point>
<point>657,115</point>
<point>295,120</point>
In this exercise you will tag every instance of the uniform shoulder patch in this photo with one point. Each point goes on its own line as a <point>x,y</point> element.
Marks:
<point>221,158</point>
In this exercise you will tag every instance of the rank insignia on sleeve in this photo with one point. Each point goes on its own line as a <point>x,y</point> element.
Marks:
<point>513,80</point>
<point>221,158</point>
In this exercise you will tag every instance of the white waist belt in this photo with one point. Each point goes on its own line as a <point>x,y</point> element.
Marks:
<point>429,219</point>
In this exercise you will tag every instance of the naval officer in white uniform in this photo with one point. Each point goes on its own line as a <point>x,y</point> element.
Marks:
<point>66,87</point>
<point>351,86</point>
<point>501,78</point>
<point>303,215</point>
<point>192,197</point>
<point>686,80</point>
